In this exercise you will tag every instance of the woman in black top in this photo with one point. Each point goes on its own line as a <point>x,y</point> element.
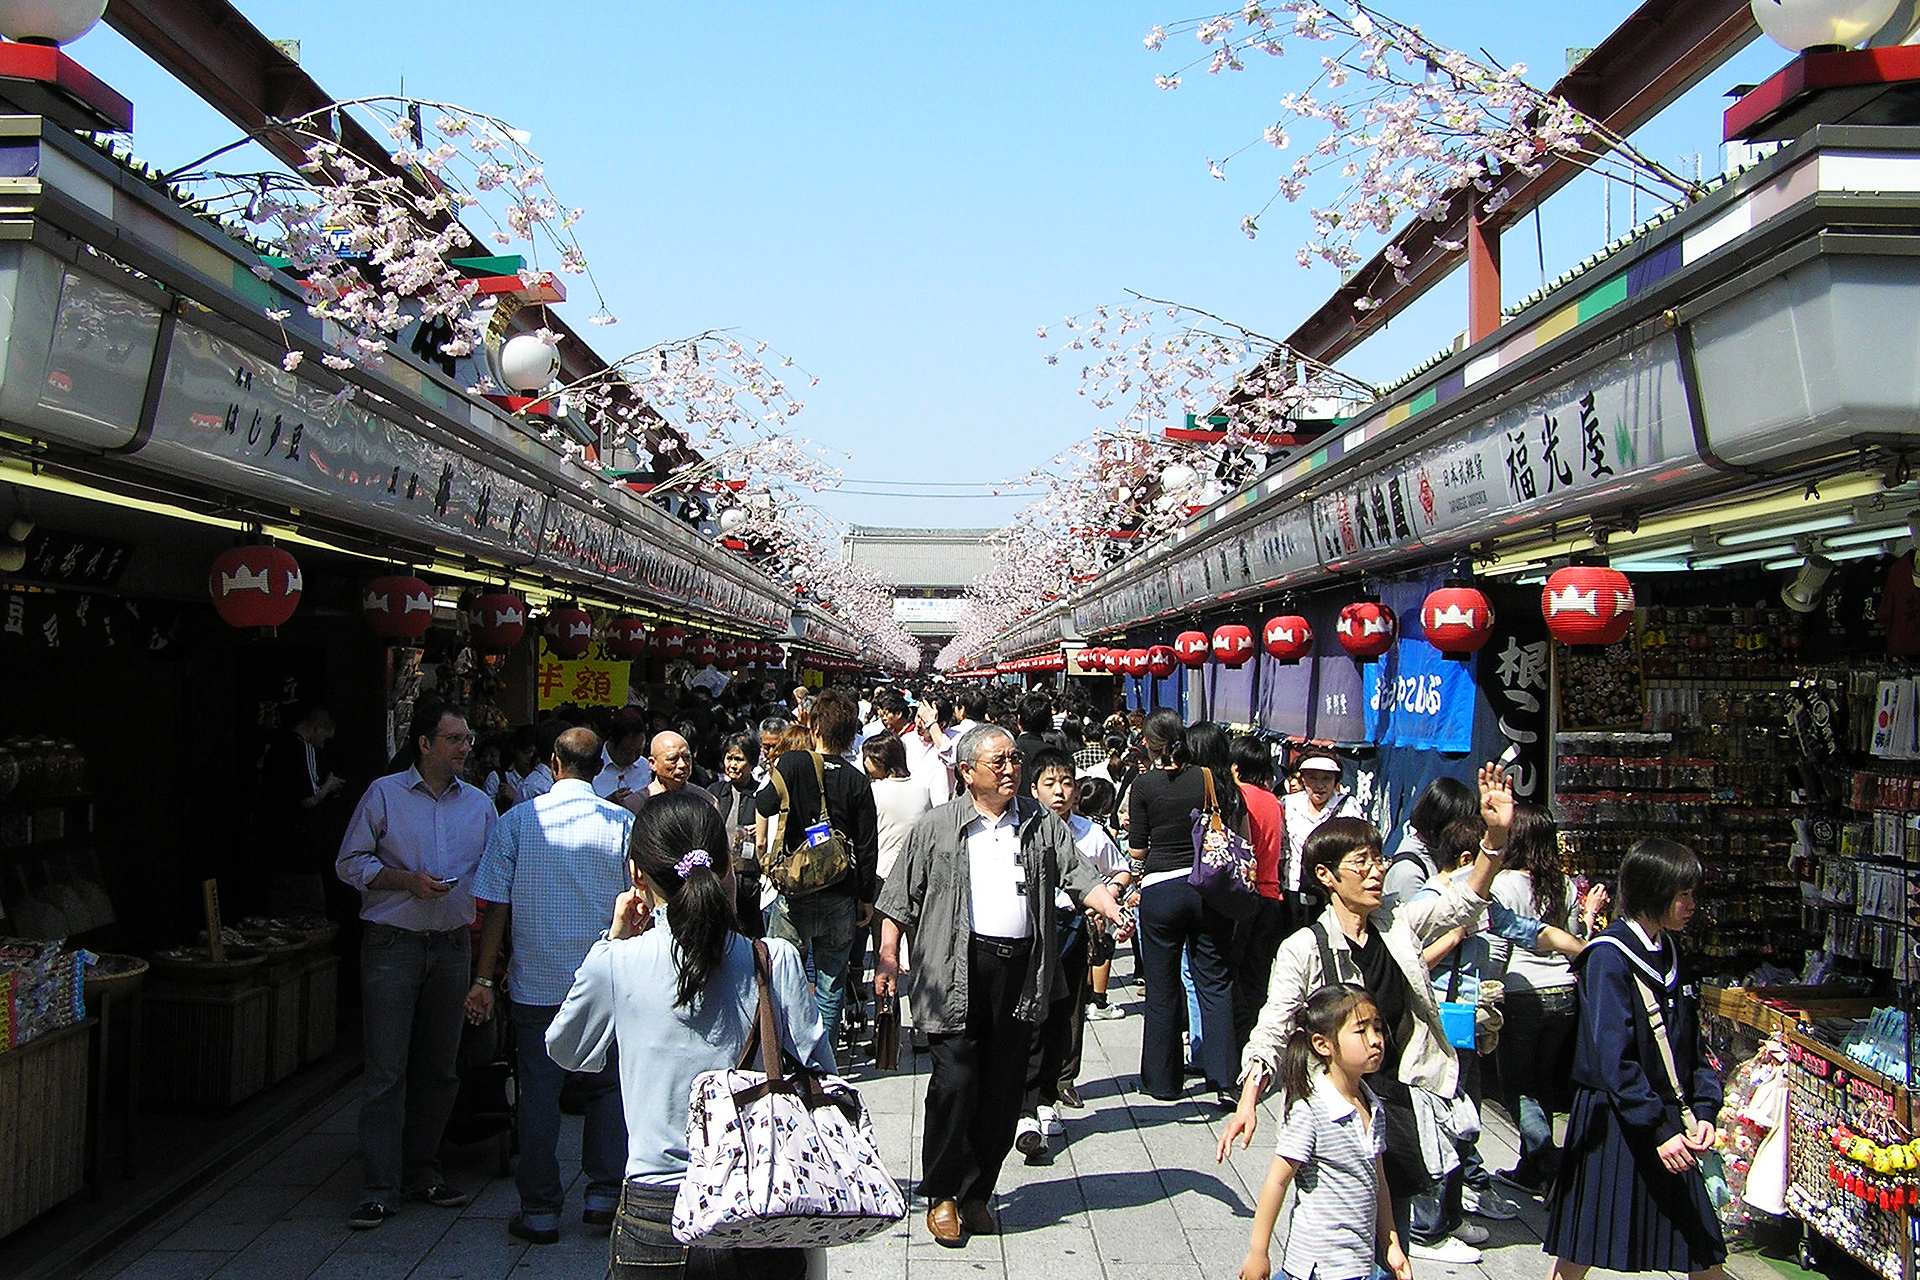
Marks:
<point>1173,918</point>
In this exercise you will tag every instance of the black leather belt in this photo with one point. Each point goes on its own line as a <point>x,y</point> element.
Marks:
<point>1005,948</point>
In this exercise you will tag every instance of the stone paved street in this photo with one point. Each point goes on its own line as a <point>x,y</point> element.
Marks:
<point>1132,1193</point>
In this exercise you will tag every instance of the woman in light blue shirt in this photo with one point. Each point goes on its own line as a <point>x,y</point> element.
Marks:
<point>679,1000</point>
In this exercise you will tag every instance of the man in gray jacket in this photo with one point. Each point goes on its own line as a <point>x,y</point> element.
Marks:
<point>974,889</point>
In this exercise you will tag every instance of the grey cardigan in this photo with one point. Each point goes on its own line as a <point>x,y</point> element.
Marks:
<point>929,894</point>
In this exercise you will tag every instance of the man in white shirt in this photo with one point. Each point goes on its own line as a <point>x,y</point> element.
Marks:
<point>924,761</point>
<point>625,774</point>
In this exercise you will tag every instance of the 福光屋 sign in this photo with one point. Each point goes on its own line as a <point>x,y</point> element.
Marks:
<point>588,683</point>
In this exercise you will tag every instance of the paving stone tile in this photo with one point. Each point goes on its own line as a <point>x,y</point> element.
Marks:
<point>173,1264</point>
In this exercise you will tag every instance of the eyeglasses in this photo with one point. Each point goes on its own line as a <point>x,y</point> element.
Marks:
<point>457,739</point>
<point>1364,862</point>
<point>999,764</point>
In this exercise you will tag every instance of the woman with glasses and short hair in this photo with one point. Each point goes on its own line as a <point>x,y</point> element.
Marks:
<point>1379,948</point>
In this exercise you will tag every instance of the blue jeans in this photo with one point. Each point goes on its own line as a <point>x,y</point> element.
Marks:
<point>1196,1032</point>
<point>823,922</point>
<point>603,1142</point>
<point>413,987</point>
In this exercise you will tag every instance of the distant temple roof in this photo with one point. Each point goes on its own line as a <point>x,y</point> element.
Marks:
<point>918,558</point>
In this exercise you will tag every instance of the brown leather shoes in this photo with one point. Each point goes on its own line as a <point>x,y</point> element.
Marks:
<point>943,1223</point>
<point>977,1218</point>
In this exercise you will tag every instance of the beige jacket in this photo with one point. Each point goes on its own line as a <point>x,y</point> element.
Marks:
<point>1407,927</point>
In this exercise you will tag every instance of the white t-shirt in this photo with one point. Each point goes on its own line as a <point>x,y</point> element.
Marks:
<point>997,881</point>
<point>924,762</point>
<point>1097,847</point>
<point>897,804</point>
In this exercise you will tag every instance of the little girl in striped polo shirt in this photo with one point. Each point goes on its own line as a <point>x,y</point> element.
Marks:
<point>1329,1149</point>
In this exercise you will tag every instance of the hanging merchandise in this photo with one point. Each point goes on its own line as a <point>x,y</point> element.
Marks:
<point>1588,604</point>
<point>1458,620</point>
<point>626,637</point>
<point>254,586</point>
<point>1193,648</point>
<point>1288,638</point>
<point>1233,645</point>
<point>398,607</point>
<point>498,620</point>
<point>1161,661</point>
<point>670,641</point>
<point>1367,629</point>
<point>570,631</point>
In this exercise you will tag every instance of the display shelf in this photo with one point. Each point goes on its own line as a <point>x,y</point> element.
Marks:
<point>1844,1190</point>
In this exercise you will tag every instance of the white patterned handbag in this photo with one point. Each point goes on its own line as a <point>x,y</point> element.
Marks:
<point>780,1158</point>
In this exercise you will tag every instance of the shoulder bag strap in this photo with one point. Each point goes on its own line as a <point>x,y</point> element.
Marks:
<point>767,1040</point>
<point>1453,979</point>
<point>1329,971</point>
<point>1657,1023</point>
<point>820,779</point>
<point>1206,783</point>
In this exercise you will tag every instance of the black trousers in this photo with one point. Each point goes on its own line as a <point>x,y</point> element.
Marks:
<point>977,1079</point>
<point>1256,940</point>
<point>1173,918</point>
<point>1058,1040</point>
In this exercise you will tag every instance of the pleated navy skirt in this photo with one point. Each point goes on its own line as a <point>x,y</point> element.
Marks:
<point>1614,1205</point>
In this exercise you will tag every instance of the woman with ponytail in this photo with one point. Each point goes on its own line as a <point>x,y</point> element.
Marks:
<point>678,1001</point>
<point>1175,919</point>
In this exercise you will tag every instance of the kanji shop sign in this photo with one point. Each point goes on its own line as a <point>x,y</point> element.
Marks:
<point>589,683</point>
<point>1582,446</point>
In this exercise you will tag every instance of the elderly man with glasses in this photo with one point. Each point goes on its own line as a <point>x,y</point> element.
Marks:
<point>974,890</point>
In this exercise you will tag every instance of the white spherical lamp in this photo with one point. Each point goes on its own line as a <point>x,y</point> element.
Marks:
<point>1808,24</point>
<point>49,21</point>
<point>732,518</point>
<point>527,364</point>
<point>1177,476</point>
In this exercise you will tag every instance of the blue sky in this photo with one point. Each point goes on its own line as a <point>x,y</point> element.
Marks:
<point>898,195</point>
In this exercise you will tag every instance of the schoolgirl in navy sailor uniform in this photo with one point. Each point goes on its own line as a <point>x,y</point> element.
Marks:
<point>1630,1195</point>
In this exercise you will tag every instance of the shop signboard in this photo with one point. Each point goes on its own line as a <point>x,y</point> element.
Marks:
<point>1278,548</point>
<point>1512,672</point>
<point>588,683</point>
<point>1584,445</point>
<point>78,350</point>
<point>224,409</point>
<point>1147,596</point>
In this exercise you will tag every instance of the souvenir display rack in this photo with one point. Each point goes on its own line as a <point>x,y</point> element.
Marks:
<point>1853,1171</point>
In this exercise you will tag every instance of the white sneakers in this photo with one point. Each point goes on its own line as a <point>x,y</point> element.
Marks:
<point>1449,1250</point>
<point>1049,1121</point>
<point>1105,1012</point>
<point>1027,1138</point>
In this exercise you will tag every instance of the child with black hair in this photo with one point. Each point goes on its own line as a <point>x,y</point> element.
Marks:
<point>1630,1195</point>
<point>1330,1148</point>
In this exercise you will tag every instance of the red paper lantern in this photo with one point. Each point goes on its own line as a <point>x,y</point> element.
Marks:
<point>1193,648</point>
<point>729,655</point>
<point>670,640</point>
<point>254,586</point>
<point>398,607</point>
<point>1458,620</point>
<point>1134,662</point>
<point>498,620</point>
<point>569,632</point>
<point>1162,661</point>
<point>1367,629</point>
<point>1287,637</point>
<point>627,638</point>
<point>1232,645</point>
<point>773,655</point>
<point>705,651</point>
<point>1109,660</point>
<point>1588,604</point>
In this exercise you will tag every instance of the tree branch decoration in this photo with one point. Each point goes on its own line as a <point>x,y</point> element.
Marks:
<point>1403,123</point>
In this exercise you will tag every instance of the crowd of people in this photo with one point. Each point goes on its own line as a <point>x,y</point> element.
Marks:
<point>983,858</point>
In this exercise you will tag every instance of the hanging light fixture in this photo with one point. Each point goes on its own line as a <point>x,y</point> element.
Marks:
<point>1802,593</point>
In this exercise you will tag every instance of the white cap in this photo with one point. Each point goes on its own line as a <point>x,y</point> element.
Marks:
<point>1322,763</point>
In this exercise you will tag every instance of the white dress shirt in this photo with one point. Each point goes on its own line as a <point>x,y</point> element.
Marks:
<point>634,777</point>
<point>997,881</point>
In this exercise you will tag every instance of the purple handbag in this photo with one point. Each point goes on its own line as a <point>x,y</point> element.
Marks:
<point>1223,862</point>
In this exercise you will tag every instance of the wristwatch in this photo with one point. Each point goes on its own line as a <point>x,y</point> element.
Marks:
<point>484,982</point>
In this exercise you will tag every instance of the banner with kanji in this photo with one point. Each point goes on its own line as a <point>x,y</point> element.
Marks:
<point>592,683</point>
